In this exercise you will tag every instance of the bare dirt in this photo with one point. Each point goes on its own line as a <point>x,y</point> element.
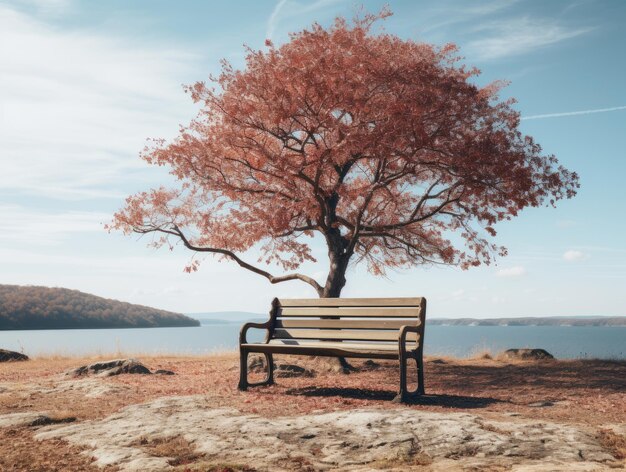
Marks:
<point>479,414</point>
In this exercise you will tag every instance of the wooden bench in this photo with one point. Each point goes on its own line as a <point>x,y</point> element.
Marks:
<point>372,328</point>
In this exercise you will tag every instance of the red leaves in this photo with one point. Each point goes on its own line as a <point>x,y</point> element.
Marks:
<point>383,141</point>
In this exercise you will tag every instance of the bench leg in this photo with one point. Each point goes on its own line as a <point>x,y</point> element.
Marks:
<point>405,395</point>
<point>269,358</point>
<point>420,375</point>
<point>243,371</point>
<point>403,389</point>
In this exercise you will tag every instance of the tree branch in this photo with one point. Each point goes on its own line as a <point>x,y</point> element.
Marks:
<point>225,252</point>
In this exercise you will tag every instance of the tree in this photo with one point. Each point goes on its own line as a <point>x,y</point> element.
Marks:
<point>382,146</point>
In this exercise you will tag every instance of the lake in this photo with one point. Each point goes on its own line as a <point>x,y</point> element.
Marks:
<point>561,341</point>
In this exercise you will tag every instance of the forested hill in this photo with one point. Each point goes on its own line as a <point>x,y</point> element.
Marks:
<point>29,307</point>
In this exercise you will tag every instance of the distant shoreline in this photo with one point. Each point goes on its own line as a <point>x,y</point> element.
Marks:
<point>599,321</point>
<point>610,321</point>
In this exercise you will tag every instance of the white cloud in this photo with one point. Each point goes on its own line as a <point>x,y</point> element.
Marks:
<point>47,7</point>
<point>607,249</point>
<point>31,227</point>
<point>573,113</point>
<point>516,36</point>
<point>76,107</point>
<point>450,15</point>
<point>574,255</point>
<point>515,271</point>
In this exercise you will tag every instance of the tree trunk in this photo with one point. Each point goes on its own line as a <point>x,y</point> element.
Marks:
<point>335,282</point>
<point>336,279</point>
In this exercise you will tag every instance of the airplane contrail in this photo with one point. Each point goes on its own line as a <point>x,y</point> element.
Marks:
<point>572,113</point>
<point>273,19</point>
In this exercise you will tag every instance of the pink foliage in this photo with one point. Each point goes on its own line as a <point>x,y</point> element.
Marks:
<point>383,146</point>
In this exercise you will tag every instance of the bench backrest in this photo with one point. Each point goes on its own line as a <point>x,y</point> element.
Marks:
<point>373,320</point>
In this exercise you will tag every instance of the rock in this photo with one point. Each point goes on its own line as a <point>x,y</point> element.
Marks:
<point>541,404</point>
<point>164,372</point>
<point>13,420</point>
<point>45,420</point>
<point>109,368</point>
<point>355,439</point>
<point>257,364</point>
<point>92,387</point>
<point>333,365</point>
<point>370,365</point>
<point>129,367</point>
<point>528,354</point>
<point>292,370</point>
<point>12,356</point>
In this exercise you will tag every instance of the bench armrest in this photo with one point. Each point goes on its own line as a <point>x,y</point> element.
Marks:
<point>404,330</point>
<point>244,329</point>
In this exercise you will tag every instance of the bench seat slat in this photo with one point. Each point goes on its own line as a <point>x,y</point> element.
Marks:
<point>339,334</point>
<point>330,349</point>
<point>355,312</point>
<point>314,302</point>
<point>343,323</point>
<point>372,346</point>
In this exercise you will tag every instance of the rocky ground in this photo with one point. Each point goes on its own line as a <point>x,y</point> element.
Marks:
<point>479,415</point>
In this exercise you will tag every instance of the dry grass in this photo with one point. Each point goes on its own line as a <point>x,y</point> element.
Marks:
<point>485,354</point>
<point>492,428</point>
<point>615,443</point>
<point>421,464</point>
<point>585,391</point>
<point>416,460</point>
<point>19,451</point>
<point>588,392</point>
<point>207,466</point>
<point>177,449</point>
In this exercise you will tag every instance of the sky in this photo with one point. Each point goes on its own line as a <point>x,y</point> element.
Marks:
<point>83,84</point>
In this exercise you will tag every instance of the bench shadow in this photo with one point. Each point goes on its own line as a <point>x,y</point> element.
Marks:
<point>356,393</point>
<point>445,401</point>
<point>454,401</point>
